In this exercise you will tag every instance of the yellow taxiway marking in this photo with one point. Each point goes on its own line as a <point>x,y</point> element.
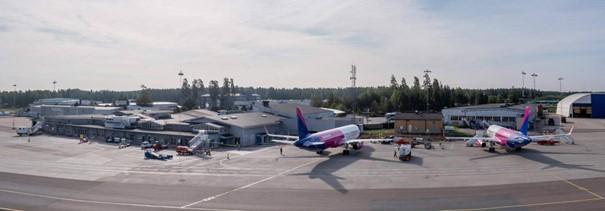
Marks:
<point>597,198</point>
<point>580,187</point>
<point>529,205</point>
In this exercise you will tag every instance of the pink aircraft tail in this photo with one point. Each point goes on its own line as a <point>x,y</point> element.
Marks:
<point>525,123</point>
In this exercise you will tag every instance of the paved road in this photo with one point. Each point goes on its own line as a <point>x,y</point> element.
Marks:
<point>23,192</point>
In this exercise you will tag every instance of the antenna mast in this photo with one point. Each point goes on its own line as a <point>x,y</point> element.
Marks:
<point>353,75</point>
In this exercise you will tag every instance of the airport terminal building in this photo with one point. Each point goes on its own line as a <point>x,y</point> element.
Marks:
<point>242,129</point>
<point>318,119</point>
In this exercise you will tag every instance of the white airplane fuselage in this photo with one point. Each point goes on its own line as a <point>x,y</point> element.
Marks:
<point>508,138</point>
<point>331,138</point>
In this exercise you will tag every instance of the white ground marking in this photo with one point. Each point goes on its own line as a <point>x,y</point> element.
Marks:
<point>106,202</point>
<point>251,184</point>
<point>9,209</point>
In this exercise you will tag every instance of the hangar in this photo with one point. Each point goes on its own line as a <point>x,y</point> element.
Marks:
<point>504,115</point>
<point>586,105</point>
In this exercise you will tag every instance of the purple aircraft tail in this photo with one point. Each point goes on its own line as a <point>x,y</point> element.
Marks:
<point>302,125</point>
<point>525,123</point>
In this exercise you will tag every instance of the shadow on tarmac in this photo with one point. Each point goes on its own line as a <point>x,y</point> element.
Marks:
<point>325,169</point>
<point>540,157</point>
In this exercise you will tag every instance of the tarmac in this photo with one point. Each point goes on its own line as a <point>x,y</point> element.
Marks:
<point>57,173</point>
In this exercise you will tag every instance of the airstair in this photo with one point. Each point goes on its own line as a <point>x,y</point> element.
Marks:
<point>37,127</point>
<point>202,140</point>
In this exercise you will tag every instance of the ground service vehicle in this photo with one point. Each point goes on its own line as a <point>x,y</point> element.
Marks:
<point>183,150</point>
<point>405,152</point>
<point>156,156</point>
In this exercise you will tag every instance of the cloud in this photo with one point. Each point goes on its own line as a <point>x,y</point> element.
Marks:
<point>122,44</point>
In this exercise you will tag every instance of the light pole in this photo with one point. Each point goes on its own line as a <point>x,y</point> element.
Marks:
<point>426,74</point>
<point>560,85</point>
<point>181,74</point>
<point>534,75</point>
<point>523,73</point>
<point>14,104</point>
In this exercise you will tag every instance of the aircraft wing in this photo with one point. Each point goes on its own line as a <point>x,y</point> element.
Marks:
<point>473,140</point>
<point>366,140</point>
<point>288,139</point>
<point>283,136</point>
<point>283,141</point>
<point>565,136</point>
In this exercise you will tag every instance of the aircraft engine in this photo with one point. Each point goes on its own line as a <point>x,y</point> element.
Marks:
<point>357,146</point>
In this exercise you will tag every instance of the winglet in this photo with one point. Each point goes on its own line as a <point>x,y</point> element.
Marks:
<point>570,130</point>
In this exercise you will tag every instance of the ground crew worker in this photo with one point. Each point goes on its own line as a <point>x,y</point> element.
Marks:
<point>395,152</point>
<point>281,151</point>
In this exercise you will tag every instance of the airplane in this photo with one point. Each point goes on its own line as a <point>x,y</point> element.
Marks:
<point>511,139</point>
<point>345,136</point>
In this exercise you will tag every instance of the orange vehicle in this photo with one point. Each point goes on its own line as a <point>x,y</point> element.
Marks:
<point>183,150</point>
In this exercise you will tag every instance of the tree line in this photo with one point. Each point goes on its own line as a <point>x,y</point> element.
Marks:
<point>423,94</point>
<point>397,95</point>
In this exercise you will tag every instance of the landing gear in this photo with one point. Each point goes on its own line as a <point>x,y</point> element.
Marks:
<point>346,152</point>
<point>406,158</point>
<point>428,146</point>
<point>491,147</point>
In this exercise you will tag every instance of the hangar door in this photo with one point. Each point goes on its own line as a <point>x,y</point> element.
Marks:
<point>598,105</point>
<point>582,110</point>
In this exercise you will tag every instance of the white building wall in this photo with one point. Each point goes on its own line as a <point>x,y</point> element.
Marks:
<point>565,106</point>
<point>483,112</point>
<point>247,136</point>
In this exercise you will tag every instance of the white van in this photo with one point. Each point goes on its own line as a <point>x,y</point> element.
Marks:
<point>23,131</point>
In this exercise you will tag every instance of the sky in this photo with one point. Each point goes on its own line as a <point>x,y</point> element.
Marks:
<point>119,45</point>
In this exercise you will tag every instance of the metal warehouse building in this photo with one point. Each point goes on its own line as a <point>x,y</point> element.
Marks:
<point>499,114</point>
<point>588,105</point>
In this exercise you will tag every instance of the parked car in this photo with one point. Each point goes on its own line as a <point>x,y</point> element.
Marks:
<point>146,145</point>
<point>388,141</point>
<point>112,140</point>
